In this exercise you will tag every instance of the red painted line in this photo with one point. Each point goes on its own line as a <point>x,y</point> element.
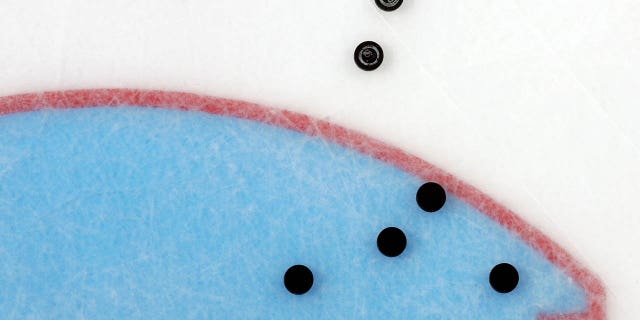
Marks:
<point>351,139</point>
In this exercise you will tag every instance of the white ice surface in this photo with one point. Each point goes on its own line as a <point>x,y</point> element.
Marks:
<point>534,102</point>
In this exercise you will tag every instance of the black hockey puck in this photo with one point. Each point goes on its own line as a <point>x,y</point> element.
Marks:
<point>368,56</point>
<point>389,5</point>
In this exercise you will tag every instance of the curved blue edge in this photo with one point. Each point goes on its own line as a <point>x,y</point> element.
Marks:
<point>140,213</point>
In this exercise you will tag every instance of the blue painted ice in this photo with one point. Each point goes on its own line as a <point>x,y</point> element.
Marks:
<point>138,213</point>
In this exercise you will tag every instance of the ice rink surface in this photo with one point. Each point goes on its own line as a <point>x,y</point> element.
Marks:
<point>534,103</point>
